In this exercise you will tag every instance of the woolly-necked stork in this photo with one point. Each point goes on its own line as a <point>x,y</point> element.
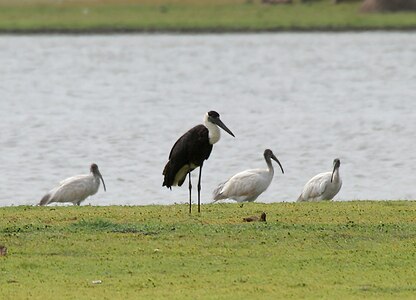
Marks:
<point>190,151</point>
<point>323,186</point>
<point>75,189</point>
<point>246,186</point>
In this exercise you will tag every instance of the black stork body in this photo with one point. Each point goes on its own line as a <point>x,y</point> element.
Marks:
<point>190,151</point>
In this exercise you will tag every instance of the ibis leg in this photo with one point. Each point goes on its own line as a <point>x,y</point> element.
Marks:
<point>199,189</point>
<point>190,191</point>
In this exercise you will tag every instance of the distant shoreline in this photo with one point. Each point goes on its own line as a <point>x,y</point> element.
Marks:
<point>116,31</point>
<point>193,17</point>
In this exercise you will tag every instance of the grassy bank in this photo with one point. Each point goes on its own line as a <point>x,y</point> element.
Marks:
<point>190,15</point>
<point>315,250</point>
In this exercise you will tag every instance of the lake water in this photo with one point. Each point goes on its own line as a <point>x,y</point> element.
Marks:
<point>123,100</point>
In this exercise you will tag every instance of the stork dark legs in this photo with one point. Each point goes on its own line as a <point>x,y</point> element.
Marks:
<point>190,190</point>
<point>199,189</point>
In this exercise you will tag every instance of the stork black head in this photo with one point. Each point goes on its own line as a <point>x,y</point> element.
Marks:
<point>213,114</point>
<point>214,118</point>
<point>268,154</point>
<point>94,170</point>
<point>337,164</point>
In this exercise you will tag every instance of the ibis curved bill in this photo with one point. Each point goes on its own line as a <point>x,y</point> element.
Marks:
<point>191,150</point>
<point>323,186</point>
<point>75,189</point>
<point>246,186</point>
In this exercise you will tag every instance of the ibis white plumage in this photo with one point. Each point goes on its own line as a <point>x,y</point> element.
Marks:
<point>323,186</point>
<point>75,189</point>
<point>246,186</point>
<point>191,150</point>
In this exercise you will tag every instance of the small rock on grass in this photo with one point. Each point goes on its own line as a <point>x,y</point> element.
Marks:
<point>3,250</point>
<point>262,218</point>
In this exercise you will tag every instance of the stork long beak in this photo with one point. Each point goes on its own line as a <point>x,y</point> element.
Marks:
<point>222,125</point>
<point>101,177</point>
<point>276,160</point>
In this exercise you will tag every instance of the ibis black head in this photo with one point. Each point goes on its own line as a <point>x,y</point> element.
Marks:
<point>94,170</point>
<point>214,118</point>
<point>337,164</point>
<point>268,154</point>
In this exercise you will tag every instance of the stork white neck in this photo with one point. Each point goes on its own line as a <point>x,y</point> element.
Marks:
<point>214,133</point>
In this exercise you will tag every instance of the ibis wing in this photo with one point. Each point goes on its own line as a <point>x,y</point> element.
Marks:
<point>243,184</point>
<point>50,196</point>
<point>316,186</point>
<point>73,189</point>
<point>72,179</point>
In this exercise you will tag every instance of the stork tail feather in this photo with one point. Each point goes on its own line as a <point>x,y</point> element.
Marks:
<point>168,178</point>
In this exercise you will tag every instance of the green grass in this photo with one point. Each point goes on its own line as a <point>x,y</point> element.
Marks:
<point>190,15</point>
<point>305,250</point>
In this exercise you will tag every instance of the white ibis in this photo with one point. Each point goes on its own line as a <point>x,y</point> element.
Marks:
<point>190,151</point>
<point>323,186</point>
<point>246,186</point>
<point>75,189</point>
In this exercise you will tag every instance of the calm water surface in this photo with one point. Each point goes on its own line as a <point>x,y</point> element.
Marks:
<point>122,101</point>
